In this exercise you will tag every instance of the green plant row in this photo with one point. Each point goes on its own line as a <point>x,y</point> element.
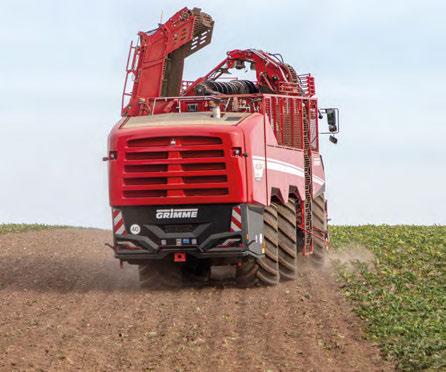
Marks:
<point>21,227</point>
<point>402,297</point>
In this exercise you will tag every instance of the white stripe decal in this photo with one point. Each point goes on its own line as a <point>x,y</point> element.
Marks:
<point>117,219</point>
<point>230,241</point>
<point>121,229</point>
<point>280,166</point>
<point>234,227</point>
<point>318,180</point>
<point>272,165</point>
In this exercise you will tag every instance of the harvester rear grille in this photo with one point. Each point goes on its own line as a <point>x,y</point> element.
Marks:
<point>166,167</point>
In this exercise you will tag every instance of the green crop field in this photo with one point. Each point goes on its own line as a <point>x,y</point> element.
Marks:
<point>21,227</point>
<point>402,296</point>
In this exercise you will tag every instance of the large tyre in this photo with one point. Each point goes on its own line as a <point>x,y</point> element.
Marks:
<point>264,270</point>
<point>287,240</point>
<point>158,274</point>
<point>320,227</point>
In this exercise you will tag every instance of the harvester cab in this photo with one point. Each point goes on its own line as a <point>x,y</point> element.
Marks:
<point>215,173</point>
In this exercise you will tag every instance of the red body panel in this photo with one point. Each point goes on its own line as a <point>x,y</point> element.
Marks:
<point>282,173</point>
<point>174,169</point>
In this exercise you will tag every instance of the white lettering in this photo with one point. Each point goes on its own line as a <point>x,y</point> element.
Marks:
<point>176,213</point>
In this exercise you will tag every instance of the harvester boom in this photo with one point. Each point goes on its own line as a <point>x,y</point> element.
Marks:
<point>156,62</point>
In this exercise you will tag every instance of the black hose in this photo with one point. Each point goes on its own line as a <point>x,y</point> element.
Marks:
<point>211,87</point>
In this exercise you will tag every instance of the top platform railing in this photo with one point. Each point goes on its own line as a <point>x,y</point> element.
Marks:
<point>286,113</point>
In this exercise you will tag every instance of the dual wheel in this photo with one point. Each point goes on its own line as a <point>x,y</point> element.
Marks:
<point>283,242</point>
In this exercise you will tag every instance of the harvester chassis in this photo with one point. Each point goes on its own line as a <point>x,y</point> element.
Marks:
<point>215,173</point>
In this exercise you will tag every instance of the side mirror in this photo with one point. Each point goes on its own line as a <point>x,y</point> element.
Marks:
<point>332,119</point>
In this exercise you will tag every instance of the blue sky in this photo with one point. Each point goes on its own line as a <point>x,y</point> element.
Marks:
<point>382,63</point>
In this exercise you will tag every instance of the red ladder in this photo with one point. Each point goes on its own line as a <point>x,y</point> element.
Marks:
<point>131,69</point>
<point>308,173</point>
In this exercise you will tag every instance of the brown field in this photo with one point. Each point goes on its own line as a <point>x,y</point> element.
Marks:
<point>66,305</point>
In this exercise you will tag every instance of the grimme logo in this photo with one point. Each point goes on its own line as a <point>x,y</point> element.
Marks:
<point>177,213</point>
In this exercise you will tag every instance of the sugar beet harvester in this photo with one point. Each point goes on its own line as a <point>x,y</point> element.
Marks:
<point>215,173</point>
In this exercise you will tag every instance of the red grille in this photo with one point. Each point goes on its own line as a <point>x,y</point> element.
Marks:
<point>174,167</point>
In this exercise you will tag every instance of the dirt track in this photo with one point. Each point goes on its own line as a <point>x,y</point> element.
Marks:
<point>65,304</point>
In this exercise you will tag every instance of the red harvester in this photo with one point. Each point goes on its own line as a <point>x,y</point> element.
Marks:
<point>215,176</point>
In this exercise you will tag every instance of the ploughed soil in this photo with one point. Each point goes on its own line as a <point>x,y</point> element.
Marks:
<point>65,304</point>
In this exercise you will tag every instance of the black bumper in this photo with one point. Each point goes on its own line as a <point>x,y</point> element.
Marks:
<point>207,234</point>
<point>143,249</point>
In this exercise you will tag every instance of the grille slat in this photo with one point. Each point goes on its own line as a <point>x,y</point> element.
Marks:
<point>206,192</point>
<point>185,174</point>
<point>202,154</point>
<point>172,161</point>
<point>130,150</point>
<point>146,155</point>
<point>145,168</point>
<point>166,141</point>
<point>194,167</point>
<point>145,181</point>
<point>145,193</point>
<point>205,179</point>
<point>176,186</point>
